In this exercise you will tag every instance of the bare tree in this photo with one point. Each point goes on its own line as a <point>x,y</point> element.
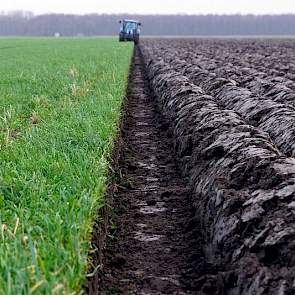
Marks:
<point>18,23</point>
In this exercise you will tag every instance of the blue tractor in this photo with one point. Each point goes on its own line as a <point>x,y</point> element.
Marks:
<point>129,30</point>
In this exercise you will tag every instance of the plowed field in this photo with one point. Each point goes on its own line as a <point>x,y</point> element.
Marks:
<point>208,148</point>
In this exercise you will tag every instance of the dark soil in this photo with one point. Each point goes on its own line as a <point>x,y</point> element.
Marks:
<point>234,148</point>
<point>205,201</point>
<point>155,248</point>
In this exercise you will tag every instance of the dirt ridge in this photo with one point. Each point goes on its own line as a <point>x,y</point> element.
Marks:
<point>243,187</point>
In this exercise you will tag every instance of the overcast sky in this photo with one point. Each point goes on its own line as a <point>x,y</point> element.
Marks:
<point>152,6</point>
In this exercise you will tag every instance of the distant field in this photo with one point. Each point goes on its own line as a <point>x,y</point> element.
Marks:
<point>60,102</point>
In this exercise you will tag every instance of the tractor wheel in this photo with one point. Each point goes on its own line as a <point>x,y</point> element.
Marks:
<point>136,39</point>
<point>121,38</point>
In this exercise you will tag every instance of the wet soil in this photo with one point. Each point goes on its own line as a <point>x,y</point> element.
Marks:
<point>156,244</point>
<point>227,224</point>
<point>240,170</point>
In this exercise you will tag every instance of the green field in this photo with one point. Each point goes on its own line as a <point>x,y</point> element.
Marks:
<point>60,104</point>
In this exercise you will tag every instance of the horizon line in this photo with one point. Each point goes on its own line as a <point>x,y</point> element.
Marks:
<point>32,13</point>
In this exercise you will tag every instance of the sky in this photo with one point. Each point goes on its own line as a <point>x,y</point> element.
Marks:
<point>151,6</point>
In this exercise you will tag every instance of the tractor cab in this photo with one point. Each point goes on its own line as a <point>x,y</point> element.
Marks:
<point>129,30</point>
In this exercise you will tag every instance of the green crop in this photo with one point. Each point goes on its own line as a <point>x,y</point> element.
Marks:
<point>60,105</point>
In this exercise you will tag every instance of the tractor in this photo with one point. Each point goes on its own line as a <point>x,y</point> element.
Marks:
<point>129,30</point>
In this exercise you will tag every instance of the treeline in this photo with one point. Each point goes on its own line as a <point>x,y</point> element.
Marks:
<point>26,24</point>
